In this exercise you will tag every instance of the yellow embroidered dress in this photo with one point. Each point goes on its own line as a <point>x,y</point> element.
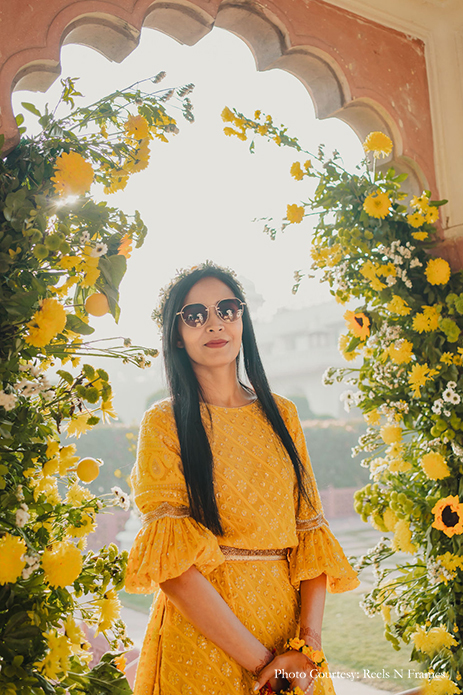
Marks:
<point>256,495</point>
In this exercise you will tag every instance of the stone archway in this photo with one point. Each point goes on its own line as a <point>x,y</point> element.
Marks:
<point>322,45</point>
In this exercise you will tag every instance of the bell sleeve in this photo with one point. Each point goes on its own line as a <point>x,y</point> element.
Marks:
<point>318,551</point>
<point>170,541</point>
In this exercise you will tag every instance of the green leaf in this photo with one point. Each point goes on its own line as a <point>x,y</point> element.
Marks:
<point>113,269</point>
<point>68,378</point>
<point>74,323</point>
<point>19,119</point>
<point>30,107</point>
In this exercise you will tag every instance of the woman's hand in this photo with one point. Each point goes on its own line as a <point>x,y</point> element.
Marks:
<point>290,669</point>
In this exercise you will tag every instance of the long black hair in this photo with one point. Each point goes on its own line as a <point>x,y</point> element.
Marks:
<point>186,393</point>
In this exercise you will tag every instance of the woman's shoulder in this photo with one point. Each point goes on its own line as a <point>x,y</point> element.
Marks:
<point>286,407</point>
<point>160,415</point>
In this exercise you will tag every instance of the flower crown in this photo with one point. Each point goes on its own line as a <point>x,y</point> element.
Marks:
<point>157,313</point>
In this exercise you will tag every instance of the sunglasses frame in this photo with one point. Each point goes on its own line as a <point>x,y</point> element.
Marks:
<point>216,307</point>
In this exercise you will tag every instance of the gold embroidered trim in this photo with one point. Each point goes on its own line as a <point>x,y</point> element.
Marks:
<point>165,510</point>
<point>310,524</point>
<point>254,554</point>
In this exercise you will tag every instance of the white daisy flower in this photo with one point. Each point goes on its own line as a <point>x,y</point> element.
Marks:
<point>84,237</point>
<point>447,395</point>
<point>99,250</point>
<point>8,400</point>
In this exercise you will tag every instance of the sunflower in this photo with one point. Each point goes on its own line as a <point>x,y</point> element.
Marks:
<point>378,143</point>
<point>377,205</point>
<point>358,324</point>
<point>448,516</point>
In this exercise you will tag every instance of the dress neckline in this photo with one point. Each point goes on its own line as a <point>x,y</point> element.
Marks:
<point>232,407</point>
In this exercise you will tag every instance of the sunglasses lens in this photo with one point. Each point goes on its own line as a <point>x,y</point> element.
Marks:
<point>194,315</point>
<point>230,309</point>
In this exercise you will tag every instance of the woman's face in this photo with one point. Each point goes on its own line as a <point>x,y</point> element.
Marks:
<point>216,343</point>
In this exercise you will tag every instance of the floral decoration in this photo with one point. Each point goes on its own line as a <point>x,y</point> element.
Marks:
<point>375,245</point>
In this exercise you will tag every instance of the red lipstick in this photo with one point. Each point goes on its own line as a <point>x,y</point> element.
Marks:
<point>216,343</point>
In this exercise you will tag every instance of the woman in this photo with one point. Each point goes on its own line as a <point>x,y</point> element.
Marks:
<point>233,528</point>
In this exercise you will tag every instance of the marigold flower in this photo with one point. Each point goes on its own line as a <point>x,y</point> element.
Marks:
<point>118,179</point>
<point>390,519</point>
<point>391,434</point>
<point>46,323</point>
<point>399,306</point>
<point>378,143</point>
<point>419,375</point>
<point>434,465</point>
<point>296,171</point>
<point>377,205</point>
<point>416,219</point>
<point>62,564</point>
<point>295,213</point>
<point>137,127</point>
<point>448,516</point>
<point>73,174</point>
<point>12,550</point>
<point>438,271</point>
<point>432,641</point>
<point>262,130</point>
<point>358,323</point>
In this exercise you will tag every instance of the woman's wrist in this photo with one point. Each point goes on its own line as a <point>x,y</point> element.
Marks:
<point>266,657</point>
<point>311,637</point>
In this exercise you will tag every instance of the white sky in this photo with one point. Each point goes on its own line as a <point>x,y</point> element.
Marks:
<point>202,190</point>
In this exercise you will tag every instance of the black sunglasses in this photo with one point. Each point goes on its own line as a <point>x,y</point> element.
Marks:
<point>196,315</point>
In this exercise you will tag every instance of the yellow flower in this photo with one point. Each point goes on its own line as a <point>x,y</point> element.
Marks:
<point>416,220</point>
<point>386,614</point>
<point>12,550</point>
<point>137,127</point>
<point>419,375</point>
<point>117,180</point>
<point>447,358</point>
<point>109,610</point>
<point>399,465</point>
<point>358,324</point>
<point>432,641</point>
<point>107,410</point>
<point>67,458</point>
<point>401,352</point>
<point>440,684</point>
<point>437,271</point>
<point>48,487</point>
<point>420,236</point>
<point>262,130</point>
<point>391,434</point>
<point>307,164</point>
<point>398,306</point>
<point>434,465</point>
<point>125,247</point>
<point>390,519</point>
<point>421,202</point>
<point>296,171</point>
<point>56,661</point>
<point>88,525</point>
<point>378,143</point>
<point>257,115</point>
<point>73,174</point>
<point>432,214</point>
<point>343,344</point>
<point>62,564</point>
<point>46,323</point>
<point>295,213</point>
<point>78,425</point>
<point>370,271</point>
<point>402,540</point>
<point>377,205</point>
<point>450,563</point>
<point>448,516</point>
<point>227,115</point>
<point>428,320</point>
<point>120,661</point>
<point>277,139</point>
<point>76,495</point>
<point>372,418</point>
<point>139,159</point>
